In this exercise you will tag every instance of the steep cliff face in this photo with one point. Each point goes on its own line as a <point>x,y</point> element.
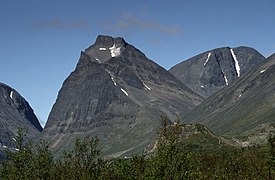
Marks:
<point>210,71</point>
<point>117,94</point>
<point>15,112</point>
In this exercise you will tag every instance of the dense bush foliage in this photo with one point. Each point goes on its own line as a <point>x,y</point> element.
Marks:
<point>27,162</point>
<point>170,160</point>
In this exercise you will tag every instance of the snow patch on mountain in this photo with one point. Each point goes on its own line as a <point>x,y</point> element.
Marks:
<point>225,79</point>
<point>113,80</point>
<point>208,56</point>
<point>97,60</point>
<point>237,66</point>
<point>115,51</point>
<point>11,95</point>
<point>125,92</point>
<point>262,71</point>
<point>147,87</point>
<point>102,49</point>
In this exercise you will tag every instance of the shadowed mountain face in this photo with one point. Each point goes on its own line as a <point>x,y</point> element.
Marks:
<point>245,105</point>
<point>117,94</point>
<point>15,112</point>
<point>210,71</point>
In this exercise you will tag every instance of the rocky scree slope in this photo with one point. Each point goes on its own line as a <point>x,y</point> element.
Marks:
<point>117,94</point>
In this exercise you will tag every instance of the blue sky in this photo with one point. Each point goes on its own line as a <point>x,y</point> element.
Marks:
<point>40,41</point>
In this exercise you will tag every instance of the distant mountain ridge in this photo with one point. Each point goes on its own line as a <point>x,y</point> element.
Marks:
<point>245,105</point>
<point>118,94</point>
<point>212,70</point>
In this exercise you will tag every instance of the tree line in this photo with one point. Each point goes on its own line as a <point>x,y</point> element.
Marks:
<point>170,160</point>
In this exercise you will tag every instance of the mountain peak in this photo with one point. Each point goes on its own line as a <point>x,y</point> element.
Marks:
<point>109,41</point>
<point>217,68</point>
<point>114,90</point>
<point>104,40</point>
<point>106,47</point>
<point>15,100</point>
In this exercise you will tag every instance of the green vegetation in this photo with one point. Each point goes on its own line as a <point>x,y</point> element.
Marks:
<point>27,161</point>
<point>171,159</point>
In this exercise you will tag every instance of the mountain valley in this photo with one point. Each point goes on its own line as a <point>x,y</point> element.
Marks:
<point>119,95</point>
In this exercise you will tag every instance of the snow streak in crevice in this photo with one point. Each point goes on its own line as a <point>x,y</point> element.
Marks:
<point>262,71</point>
<point>237,66</point>
<point>113,80</point>
<point>147,87</point>
<point>11,95</point>
<point>125,92</point>
<point>208,56</point>
<point>224,76</point>
<point>97,60</point>
<point>225,79</point>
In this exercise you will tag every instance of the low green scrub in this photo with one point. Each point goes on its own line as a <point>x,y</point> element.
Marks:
<point>170,160</point>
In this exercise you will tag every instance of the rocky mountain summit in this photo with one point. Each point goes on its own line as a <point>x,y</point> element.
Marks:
<point>15,112</point>
<point>117,94</point>
<point>210,71</point>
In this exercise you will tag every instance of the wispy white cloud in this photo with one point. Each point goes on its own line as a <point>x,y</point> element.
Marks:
<point>128,21</point>
<point>62,25</point>
<point>155,41</point>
